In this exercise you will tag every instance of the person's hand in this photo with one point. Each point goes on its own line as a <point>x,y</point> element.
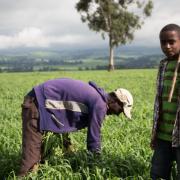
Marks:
<point>95,153</point>
<point>153,143</point>
<point>69,149</point>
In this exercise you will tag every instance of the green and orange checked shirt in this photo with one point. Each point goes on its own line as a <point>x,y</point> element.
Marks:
<point>162,105</point>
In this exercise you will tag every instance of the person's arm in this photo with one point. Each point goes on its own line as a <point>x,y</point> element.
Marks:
<point>94,129</point>
<point>156,107</point>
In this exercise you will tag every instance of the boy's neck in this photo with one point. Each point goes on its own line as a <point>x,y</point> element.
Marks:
<point>173,58</point>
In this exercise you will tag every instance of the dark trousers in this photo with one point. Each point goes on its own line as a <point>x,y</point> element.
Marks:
<point>162,160</point>
<point>32,137</point>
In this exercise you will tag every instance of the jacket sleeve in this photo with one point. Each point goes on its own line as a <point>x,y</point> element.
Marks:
<point>157,104</point>
<point>94,129</point>
<point>159,82</point>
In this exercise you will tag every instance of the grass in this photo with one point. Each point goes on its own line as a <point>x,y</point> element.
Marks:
<point>125,144</point>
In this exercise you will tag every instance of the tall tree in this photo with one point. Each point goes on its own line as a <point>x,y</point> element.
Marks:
<point>118,19</point>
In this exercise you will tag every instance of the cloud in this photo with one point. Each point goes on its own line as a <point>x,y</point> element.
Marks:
<point>34,37</point>
<point>164,12</point>
<point>28,37</point>
<point>32,23</point>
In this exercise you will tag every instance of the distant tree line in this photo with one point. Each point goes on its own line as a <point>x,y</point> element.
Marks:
<point>25,64</point>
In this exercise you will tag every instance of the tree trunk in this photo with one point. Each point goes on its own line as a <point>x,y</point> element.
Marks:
<point>111,56</point>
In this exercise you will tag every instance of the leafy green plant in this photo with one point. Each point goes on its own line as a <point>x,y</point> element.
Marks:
<point>125,144</point>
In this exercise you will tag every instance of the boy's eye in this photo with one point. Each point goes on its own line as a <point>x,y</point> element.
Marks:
<point>164,42</point>
<point>171,42</point>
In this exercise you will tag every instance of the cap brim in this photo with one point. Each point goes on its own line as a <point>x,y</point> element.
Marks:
<point>127,112</point>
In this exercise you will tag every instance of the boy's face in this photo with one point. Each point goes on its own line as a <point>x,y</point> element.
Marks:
<point>170,44</point>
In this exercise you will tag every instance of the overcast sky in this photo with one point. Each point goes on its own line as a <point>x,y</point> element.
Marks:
<point>47,23</point>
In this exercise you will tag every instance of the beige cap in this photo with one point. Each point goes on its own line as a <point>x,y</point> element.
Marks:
<point>126,98</point>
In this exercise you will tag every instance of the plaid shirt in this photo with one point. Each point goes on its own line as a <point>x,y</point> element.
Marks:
<point>158,104</point>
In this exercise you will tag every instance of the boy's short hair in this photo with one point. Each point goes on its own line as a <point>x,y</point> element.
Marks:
<point>171,27</point>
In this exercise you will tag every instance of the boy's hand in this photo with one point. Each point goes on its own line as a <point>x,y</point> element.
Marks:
<point>153,144</point>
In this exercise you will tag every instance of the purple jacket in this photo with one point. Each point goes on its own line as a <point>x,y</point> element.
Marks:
<point>67,105</point>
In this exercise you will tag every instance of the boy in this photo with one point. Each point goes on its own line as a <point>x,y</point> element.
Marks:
<point>65,105</point>
<point>166,126</point>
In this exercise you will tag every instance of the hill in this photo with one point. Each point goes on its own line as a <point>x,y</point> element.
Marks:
<point>77,59</point>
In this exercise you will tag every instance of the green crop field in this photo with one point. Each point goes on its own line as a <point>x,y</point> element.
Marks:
<point>125,144</point>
